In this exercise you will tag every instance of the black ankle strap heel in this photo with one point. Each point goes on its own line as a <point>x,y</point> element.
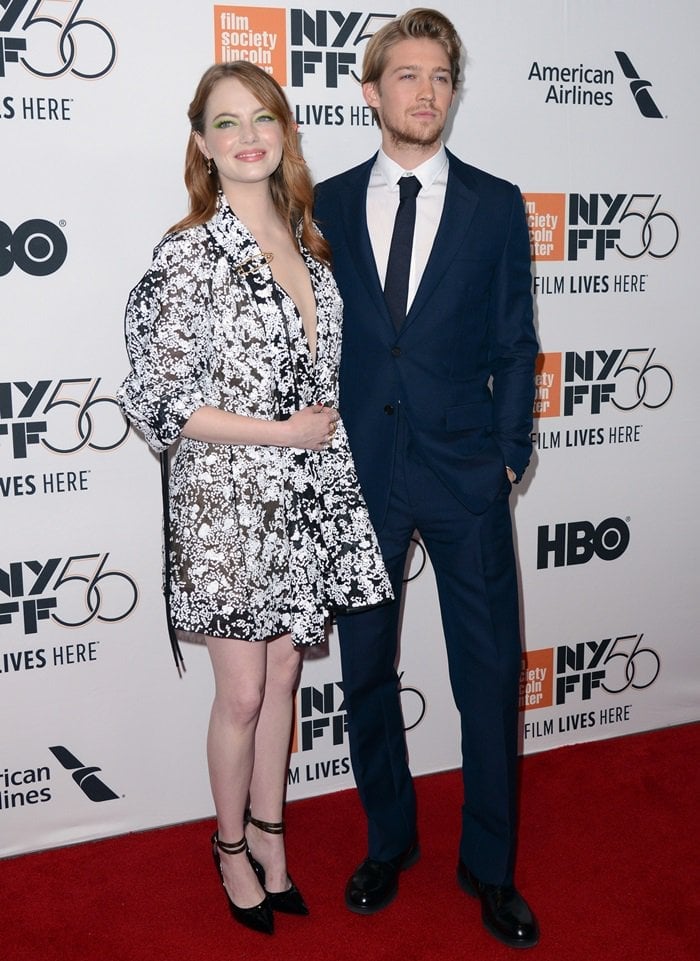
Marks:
<point>289,901</point>
<point>259,917</point>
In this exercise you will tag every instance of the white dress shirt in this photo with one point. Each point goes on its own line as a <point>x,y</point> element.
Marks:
<point>383,202</point>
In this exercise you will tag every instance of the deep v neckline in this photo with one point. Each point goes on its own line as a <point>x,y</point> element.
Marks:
<point>243,237</point>
<point>284,293</point>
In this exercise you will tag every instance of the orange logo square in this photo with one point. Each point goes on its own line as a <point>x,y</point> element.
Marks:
<point>536,679</point>
<point>256,34</point>
<point>547,385</point>
<point>547,225</point>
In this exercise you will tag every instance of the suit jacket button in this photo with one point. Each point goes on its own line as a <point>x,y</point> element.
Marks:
<point>395,351</point>
<point>388,409</point>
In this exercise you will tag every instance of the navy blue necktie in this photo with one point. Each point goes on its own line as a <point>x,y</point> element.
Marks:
<point>399,264</point>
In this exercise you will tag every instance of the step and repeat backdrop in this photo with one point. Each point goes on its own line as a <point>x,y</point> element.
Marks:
<point>590,108</point>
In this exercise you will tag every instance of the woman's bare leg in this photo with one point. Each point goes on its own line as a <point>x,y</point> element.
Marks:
<point>240,669</point>
<point>269,778</point>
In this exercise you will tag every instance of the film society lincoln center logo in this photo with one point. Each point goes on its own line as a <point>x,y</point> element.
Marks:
<point>256,34</point>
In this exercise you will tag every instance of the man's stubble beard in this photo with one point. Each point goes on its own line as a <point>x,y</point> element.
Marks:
<point>404,138</point>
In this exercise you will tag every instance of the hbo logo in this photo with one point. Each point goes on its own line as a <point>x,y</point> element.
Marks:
<point>38,247</point>
<point>577,542</point>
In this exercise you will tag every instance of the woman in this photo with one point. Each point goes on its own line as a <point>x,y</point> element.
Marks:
<point>234,341</point>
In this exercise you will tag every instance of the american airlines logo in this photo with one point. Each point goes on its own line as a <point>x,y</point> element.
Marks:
<point>83,775</point>
<point>640,88</point>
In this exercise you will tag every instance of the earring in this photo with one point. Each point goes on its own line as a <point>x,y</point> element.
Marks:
<point>209,165</point>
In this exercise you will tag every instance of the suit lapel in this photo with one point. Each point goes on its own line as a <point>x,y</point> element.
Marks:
<point>359,244</point>
<point>460,204</point>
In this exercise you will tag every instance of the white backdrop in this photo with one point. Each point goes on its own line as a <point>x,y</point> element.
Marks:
<point>590,109</point>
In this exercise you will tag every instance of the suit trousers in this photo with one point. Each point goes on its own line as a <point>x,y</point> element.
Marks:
<point>474,563</point>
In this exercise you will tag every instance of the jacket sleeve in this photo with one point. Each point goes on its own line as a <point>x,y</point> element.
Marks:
<point>165,329</point>
<point>513,346</point>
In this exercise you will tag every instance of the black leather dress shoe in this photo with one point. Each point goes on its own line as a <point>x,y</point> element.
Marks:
<point>375,883</point>
<point>504,912</point>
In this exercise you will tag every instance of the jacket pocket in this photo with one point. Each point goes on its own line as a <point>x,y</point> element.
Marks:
<point>468,416</point>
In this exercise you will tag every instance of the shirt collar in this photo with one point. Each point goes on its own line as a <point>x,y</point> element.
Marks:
<point>427,172</point>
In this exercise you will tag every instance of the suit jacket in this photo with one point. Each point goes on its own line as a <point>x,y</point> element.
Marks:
<point>461,368</point>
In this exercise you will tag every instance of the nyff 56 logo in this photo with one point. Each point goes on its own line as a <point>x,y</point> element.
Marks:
<point>326,43</point>
<point>322,715</point>
<point>71,592</point>
<point>51,38</point>
<point>612,665</point>
<point>623,378</point>
<point>575,227</point>
<point>62,416</point>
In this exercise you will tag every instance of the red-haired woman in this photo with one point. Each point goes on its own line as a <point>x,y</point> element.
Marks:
<point>234,342</point>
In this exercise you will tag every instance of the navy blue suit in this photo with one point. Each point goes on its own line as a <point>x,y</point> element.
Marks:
<point>434,413</point>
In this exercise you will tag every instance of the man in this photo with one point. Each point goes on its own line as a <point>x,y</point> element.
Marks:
<point>436,394</point>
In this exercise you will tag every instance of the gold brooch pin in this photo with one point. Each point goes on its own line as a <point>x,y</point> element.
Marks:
<point>252,263</point>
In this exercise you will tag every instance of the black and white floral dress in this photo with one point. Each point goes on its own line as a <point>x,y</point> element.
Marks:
<point>262,540</point>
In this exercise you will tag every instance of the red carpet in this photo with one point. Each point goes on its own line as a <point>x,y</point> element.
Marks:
<point>608,859</point>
